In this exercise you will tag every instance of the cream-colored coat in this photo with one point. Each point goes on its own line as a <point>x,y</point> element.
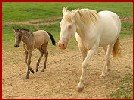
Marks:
<point>91,30</point>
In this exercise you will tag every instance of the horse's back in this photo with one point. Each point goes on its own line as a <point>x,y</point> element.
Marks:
<point>111,26</point>
<point>41,37</point>
<point>111,18</point>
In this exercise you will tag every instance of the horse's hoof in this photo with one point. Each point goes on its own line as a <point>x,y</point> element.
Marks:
<point>42,70</point>
<point>79,89</point>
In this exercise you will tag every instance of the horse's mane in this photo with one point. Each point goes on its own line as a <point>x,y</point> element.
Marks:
<point>68,17</point>
<point>84,16</point>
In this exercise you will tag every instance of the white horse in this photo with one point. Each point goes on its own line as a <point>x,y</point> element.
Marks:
<point>91,30</point>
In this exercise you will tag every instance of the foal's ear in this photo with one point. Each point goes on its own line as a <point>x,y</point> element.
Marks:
<point>15,30</point>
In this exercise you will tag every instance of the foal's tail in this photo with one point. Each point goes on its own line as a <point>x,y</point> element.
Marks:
<point>52,39</point>
<point>116,48</point>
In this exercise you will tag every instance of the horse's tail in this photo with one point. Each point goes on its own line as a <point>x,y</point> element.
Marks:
<point>116,48</point>
<point>52,39</point>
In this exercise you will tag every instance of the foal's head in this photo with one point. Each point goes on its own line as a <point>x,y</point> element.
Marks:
<point>18,35</point>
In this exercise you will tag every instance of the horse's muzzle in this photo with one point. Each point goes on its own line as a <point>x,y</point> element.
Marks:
<point>61,45</point>
<point>16,45</point>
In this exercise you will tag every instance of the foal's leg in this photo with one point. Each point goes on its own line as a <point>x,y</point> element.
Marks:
<point>45,55</point>
<point>106,67</point>
<point>42,53</point>
<point>84,67</point>
<point>28,64</point>
<point>26,56</point>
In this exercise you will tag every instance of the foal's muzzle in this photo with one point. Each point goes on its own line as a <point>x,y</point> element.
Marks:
<point>16,45</point>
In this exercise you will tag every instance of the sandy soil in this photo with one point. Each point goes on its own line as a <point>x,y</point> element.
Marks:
<point>62,74</point>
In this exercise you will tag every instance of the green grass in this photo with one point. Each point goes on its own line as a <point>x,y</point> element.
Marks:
<point>28,11</point>
<point>125,88</point>
<point>15,12</point>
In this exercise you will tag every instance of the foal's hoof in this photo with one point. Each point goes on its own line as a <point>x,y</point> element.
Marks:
<point>79,89</point>
<point>31,70</point>
<point>36,70</point>
<point>42,70</point>
<point>27,77</point>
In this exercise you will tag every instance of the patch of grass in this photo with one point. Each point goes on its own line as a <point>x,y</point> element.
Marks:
<point>15,12</point>
<point>28,11</point>
<point>126,26</point>
<point>8,35</point>
<point>125,88</point>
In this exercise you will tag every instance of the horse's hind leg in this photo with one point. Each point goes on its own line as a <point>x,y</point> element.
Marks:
<point>42,53</point>
<point>45,55</point>
<point>107,63</point>
<point>106,67</point>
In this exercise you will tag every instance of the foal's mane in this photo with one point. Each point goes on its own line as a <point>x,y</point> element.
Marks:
<point>26,32</point>
<point>84,16</point>
<point>23,29</point>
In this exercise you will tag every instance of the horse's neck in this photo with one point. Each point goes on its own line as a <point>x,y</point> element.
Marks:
<point>87,31</point>
<point>28,39</point>
<point>82,31</point>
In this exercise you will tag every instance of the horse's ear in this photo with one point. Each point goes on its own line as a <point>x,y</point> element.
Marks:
<point>64,10</point>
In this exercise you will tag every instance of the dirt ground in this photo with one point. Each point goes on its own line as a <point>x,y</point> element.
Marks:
<point>62,74</point>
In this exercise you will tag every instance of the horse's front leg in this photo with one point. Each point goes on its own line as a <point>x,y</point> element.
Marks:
<point>84,54</point>
<point>28,64</point>
<point>84,67</point>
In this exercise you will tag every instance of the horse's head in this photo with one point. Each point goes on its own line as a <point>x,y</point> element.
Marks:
<point>18,36</point>
<point>67,26</point>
